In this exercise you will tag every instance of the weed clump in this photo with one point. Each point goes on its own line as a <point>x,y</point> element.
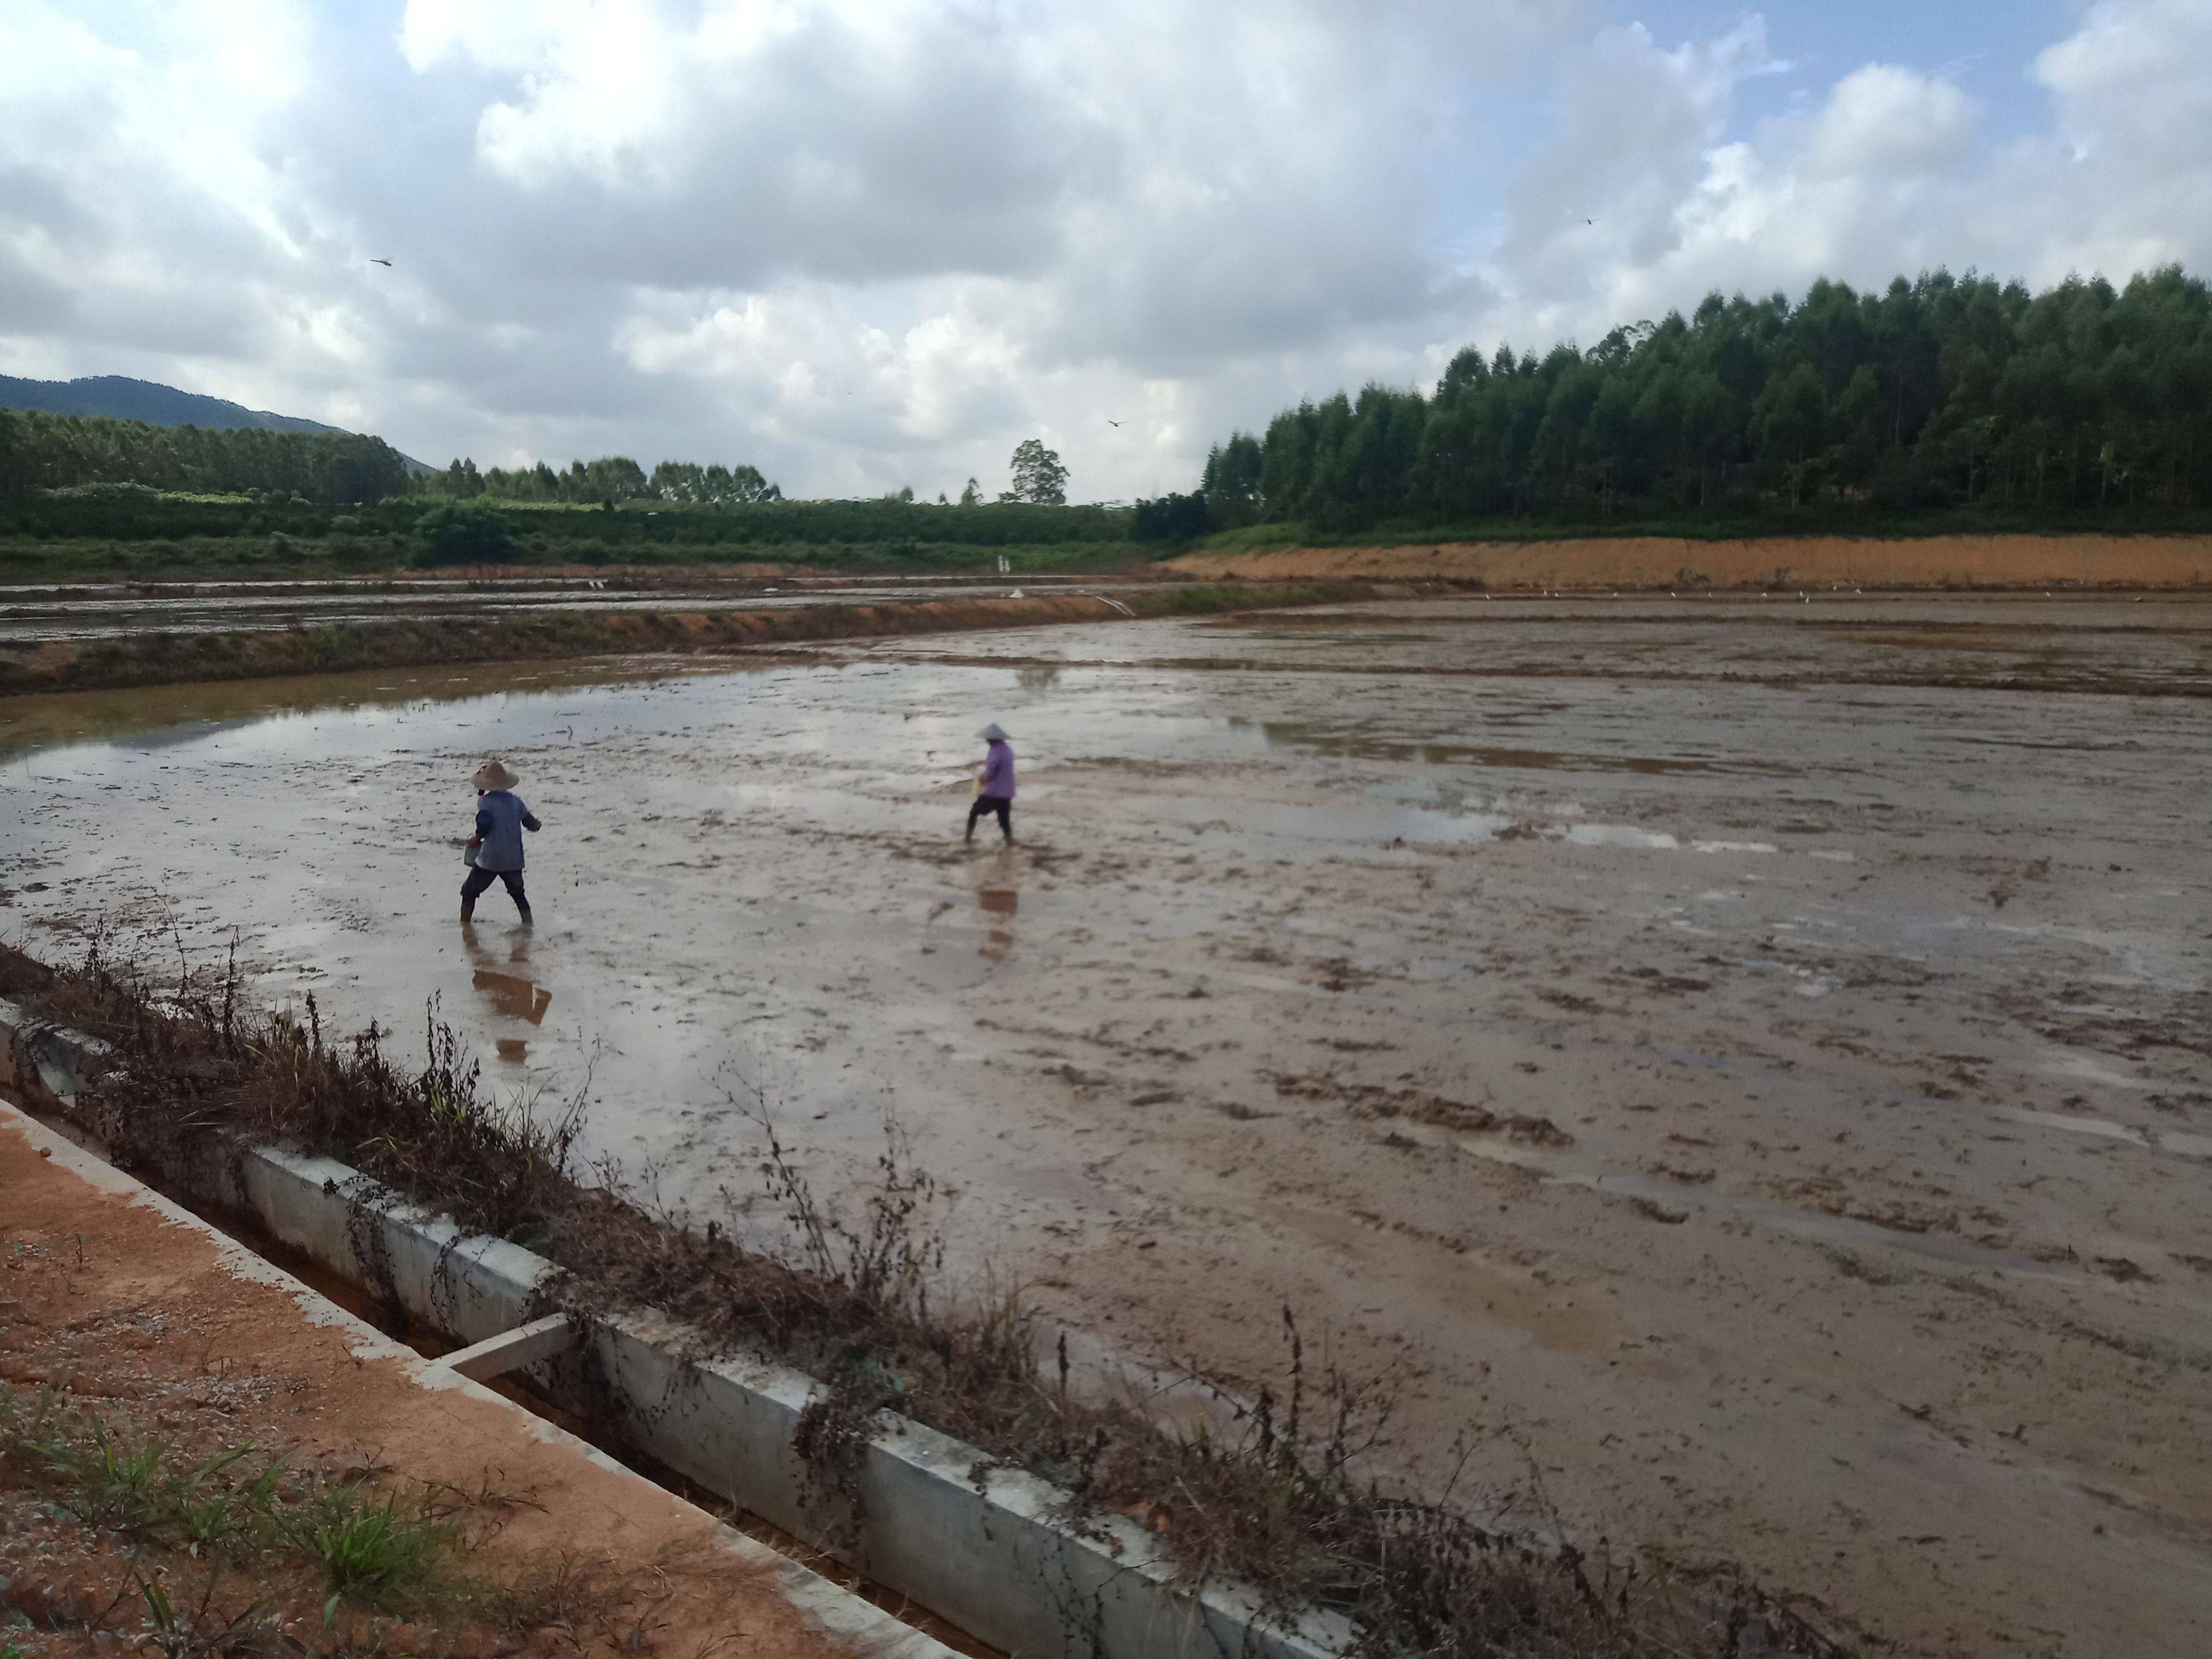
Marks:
<point>194,1069</point>
<point>223,1552</point>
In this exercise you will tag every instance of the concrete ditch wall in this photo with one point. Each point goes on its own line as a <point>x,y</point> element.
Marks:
<point>986,1548</point>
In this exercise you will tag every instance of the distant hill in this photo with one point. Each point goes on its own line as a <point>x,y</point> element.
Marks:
<point>119,397</point>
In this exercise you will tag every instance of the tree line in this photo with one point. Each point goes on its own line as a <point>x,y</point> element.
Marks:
<point>609,478</point>
<point>896,530</point>
<point>38,451</point>
<point>1939,392</point>
<point>45,451</point>
<point>1038,479</point>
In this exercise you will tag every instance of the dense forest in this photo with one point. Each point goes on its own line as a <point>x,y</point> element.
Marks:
<point>103,460</point>
<point>609,478</point>
<point>1943,393</point>
<point>192,496</point>
<point>44,451</point>
<point>41,451</point>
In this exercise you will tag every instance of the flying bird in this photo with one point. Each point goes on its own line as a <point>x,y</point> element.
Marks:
<point>374,261</point>
<point>1113,423</point>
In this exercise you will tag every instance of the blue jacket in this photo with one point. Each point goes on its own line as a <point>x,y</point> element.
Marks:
<point>501,819</point>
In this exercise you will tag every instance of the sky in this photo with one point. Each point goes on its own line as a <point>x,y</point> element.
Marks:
<point>868,244</point>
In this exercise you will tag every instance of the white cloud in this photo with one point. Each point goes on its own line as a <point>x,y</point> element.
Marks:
<point>846,140</point>
<point>872,242</point>
<point>1886,122</point>
<point>1890,172</point>
<point>2131,82</point>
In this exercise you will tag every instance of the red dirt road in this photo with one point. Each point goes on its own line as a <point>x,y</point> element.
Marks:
<point>153,1324</point>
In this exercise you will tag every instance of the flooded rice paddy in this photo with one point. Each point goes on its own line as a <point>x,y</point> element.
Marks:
<point>1750,1062</point>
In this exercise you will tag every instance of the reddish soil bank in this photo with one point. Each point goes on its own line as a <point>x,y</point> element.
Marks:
<point>116,1307</point>
<point>1944,561</point>
<point>168,657</point>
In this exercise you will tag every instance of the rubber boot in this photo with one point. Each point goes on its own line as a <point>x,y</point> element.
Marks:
<point>528,920</point>
<point>467,911</point>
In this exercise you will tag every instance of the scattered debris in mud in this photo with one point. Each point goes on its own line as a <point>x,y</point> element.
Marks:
<point>1372,1102</point>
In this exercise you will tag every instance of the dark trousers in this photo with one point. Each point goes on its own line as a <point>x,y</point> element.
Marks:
<point>1002,805</point>
<point>479,879</point>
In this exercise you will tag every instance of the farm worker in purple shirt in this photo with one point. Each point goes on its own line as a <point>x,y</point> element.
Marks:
<point>994,789</point>
<point>496,849</point>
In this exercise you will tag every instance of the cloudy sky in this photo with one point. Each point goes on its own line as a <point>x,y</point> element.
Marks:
<point>868,243</point>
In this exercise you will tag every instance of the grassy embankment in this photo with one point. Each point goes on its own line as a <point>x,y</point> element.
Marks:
<point>113,534</point>
<point>277,557</point>
<point>1284,1492</point>
<point>108,533</point>
<point>1769,521</point>
<point>402,641</point>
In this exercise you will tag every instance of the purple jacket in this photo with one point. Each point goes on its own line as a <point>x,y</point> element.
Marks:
<point>999,772</point>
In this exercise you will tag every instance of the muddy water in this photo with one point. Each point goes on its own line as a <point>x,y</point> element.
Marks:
<point>1761,1066</point>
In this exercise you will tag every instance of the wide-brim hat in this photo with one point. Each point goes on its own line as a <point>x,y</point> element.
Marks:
<point>992,733</point>
<point>495,775</point>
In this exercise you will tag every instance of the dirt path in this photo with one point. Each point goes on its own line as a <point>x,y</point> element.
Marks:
<point>1650,561</point>
<point>169,1335</point>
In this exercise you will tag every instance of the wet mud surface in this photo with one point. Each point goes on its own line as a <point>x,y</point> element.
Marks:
<point>1751,1063</point>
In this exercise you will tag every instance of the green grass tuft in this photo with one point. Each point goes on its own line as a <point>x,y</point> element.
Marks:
<point>379,1551</point>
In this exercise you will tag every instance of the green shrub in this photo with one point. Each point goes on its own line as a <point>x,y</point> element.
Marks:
<point>463,535</point>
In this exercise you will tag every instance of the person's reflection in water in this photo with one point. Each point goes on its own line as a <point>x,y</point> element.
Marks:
<point>507,985</point>
<point>997,901</point>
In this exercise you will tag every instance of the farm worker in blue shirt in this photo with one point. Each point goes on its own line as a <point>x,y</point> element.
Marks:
<point>994,789</point>
<point>496,849</point>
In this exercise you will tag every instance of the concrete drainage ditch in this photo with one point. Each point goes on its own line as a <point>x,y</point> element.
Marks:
<point>986,1548</point>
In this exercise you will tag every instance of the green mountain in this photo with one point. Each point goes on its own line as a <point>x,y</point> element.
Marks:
<point>119,397</point>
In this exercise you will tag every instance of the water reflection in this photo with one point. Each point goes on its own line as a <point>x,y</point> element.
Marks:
<point>162,716</point>
<point>1000,899</point>
<point>508,986</point>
